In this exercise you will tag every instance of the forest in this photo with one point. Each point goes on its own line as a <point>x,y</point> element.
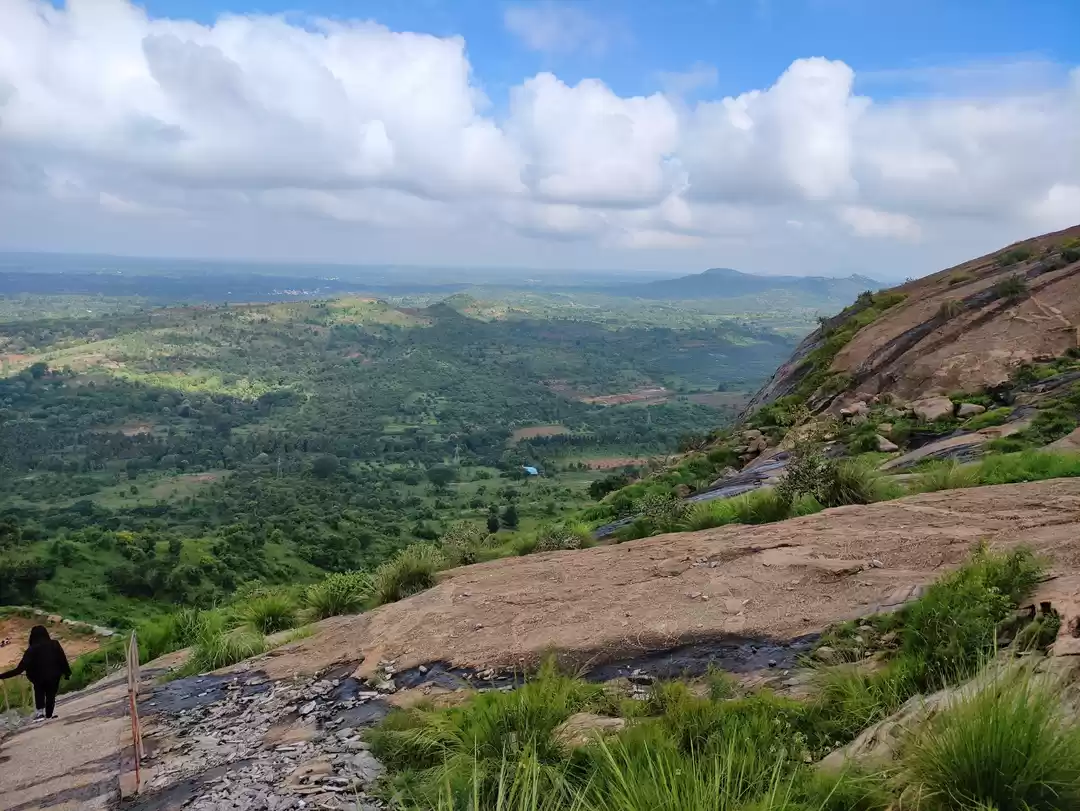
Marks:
<point>159,455</point>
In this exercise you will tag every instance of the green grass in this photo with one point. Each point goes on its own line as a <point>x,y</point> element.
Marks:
<point>461,750</point>
<point>1007,747</point>
<point>216,648</point>
<point>339,593</point>
<point>409,572</point>
<point>270,613</point>
<point>995,416</point>
<point>944,475</point>
<point>683,751</point>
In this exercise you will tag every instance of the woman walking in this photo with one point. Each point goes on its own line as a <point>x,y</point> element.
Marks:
<point>44,664</point>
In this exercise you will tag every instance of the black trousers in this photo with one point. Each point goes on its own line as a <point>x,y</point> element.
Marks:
<point>45,696</point>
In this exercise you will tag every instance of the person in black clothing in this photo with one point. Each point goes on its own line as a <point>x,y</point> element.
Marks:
<point>44,664</point>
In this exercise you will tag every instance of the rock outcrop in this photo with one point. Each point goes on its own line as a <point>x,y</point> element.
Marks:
<point>962,329</point>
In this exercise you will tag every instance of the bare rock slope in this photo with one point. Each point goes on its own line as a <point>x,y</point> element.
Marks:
<point>961,329</point>
<point>778,582</point>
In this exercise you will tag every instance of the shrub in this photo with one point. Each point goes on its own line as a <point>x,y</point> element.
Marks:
<point>953,626</point>
<point>1007,747</point>
<point>1011,287</point>
<point>563,536</point>
<point>960,278</point>
<point>462,543</point>
<point>409,572</point>
<point>1018,254</point>
<point>270,613</point>
<point>340,593</point>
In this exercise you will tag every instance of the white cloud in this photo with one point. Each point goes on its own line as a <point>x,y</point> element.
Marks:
<point>584,144</point>
<point>557,27</point>
<point>869,222</point>
<point>352,141</point>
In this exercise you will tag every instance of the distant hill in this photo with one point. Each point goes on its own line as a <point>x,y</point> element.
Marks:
<point>729,283</point>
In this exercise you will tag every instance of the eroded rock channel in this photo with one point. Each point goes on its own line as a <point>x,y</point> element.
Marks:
<point>244,742</point>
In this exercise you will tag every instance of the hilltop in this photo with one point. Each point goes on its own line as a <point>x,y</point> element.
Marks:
<point>729,283</point>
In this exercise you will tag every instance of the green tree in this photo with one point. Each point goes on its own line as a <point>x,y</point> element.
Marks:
<point>493,523</point>
<point>510,517</point>
<point>325,466</point>
<point>441,476</point>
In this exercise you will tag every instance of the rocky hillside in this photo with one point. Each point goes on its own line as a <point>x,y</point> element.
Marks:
<point>966,329</point>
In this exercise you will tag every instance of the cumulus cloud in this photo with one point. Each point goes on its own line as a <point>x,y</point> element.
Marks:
<point>350,129</point>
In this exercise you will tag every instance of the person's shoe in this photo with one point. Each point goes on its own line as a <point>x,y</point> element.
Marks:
<point>39,715</point>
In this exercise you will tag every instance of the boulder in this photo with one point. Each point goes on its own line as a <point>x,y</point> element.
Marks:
<point>885,446</point>
<point>933,408</point>
<point>969,410</point>
<point>885,428</point>
<point>757,445</point>
<point>583,728</point>
<point>855,409</point>
<point>1067,443</point>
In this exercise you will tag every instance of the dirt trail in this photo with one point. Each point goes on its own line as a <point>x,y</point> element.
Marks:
<point>778,581</point>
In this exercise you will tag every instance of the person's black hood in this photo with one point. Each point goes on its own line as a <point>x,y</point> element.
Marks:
<point>38,634</point>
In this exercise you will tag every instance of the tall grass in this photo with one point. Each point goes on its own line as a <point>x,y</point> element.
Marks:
<point>270,613</point>
<point>409,572</point>
<point>649,772</point>
<point>216,648</point>
<point>945,475</point>
<point>1007,747</point>
<point>460,750</point>
<point>339,593</point>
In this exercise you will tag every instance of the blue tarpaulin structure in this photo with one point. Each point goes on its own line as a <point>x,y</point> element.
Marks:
<point>532,471</point>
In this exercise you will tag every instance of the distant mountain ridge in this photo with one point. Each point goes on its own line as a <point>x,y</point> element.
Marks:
<point>730,283</point>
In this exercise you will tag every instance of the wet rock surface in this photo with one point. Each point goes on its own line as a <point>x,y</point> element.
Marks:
<point>242,742</point>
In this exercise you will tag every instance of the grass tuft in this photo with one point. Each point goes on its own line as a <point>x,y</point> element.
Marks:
<point>339,593</point>
<point>1006,747</point>
<point>270,613</point>
<point>409,572</point>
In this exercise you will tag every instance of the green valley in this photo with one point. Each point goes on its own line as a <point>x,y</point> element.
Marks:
<point>160,455</point>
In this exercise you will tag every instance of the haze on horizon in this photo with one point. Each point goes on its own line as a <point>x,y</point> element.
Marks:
<point>803,137</point>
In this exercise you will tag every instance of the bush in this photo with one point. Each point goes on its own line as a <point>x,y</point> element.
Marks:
<point>1011,288</point>
<point>1019,254</point>
<point>953,627</point>
<point>340,593</point>
<point>562,537</point>
<point>270,613</point>
<point>409,572</point>
<point>1006,747</point>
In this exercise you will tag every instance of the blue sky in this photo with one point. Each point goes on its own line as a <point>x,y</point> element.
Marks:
<point>779,136</point>
<point>748,42</point>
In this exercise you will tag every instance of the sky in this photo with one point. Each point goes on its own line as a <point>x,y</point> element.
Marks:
<point>827,137</point>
